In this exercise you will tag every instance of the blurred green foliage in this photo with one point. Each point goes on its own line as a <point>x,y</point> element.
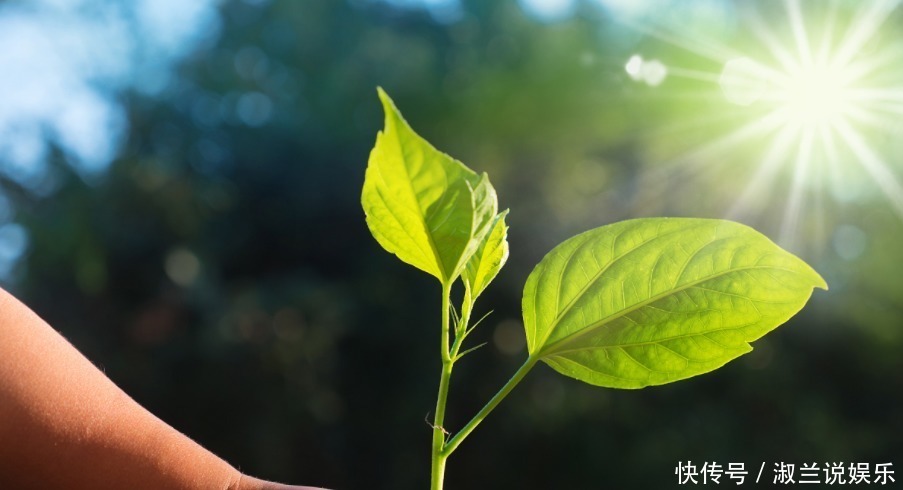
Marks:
<point>221,271</point>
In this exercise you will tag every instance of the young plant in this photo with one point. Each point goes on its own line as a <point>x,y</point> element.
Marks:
<point>633,304</point>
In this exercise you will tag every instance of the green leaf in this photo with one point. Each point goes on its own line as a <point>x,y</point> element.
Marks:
<point>488,259</point>
<point>650,301</point>
<point>422,205</point>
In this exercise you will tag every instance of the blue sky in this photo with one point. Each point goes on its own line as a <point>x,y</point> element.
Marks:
<point>66,65</point>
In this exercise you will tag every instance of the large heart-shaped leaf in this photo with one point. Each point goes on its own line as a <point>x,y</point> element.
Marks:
<point>650,301</point>
<point>421,204</point>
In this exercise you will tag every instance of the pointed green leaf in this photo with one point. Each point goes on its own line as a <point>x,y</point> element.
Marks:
<point>485,206</point>
<point>651,301</point>
<point>489,258</point>
<point>422,205</point>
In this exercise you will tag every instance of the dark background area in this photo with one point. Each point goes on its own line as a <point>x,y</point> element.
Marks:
<point>218,268</point>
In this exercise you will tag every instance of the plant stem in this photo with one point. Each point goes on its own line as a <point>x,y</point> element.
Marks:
<point>438,458</point>
<point>455,441</point>
<point>441,448</point>
<point>461,327</point>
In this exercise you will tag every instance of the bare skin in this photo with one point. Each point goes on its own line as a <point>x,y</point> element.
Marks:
<point>64,424</point>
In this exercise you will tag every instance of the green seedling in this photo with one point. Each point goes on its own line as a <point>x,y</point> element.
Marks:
<point>632,304</point>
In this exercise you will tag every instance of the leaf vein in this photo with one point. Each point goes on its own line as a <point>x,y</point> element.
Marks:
<point>550,348</point>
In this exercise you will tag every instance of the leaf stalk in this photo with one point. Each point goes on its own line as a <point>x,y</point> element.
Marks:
<point>518,376</point>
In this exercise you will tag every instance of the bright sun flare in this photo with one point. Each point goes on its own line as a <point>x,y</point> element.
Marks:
<point>814,96</point>
<point>817,102</point>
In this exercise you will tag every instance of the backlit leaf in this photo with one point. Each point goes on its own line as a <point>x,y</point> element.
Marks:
<point>489,258</point>
<point>422,205</point>
<point>651,301</point>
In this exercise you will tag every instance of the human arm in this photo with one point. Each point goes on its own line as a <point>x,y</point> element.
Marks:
<point>64,424</point>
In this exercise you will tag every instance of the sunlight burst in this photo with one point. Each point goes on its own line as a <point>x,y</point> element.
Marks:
<point>814,95</point>
<point>823,93</point>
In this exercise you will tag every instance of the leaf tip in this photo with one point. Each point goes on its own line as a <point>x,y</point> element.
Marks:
<point>817,280</point>
<point>394,121</point>
<point>387,102</point>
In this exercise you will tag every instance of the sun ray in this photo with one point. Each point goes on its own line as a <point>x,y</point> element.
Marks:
<point>816,102</point>
<point>776,154</point>
<point>799,31</point>
<point>878,96</point>
<point>701,47</point>
<point>874,165</point>
<point>765,35</point>
<point>832,158</point>
<point>688,73</point>
<point>701,121</point>
<point>827,38</point>
<point>693,164</point>
<point>820,189</point>
<point>863,28</point>
<point>875,119</point>
<point>702,157</point>
<point>794,208</point>
<point>859,69</point>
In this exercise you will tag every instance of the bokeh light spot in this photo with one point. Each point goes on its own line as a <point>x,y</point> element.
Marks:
<point>849,242</point>
<point>254,108</point>
<point>182,267</point>
<point>742,81</point>
<point>634,67</point>
<point>650,72</point>
<point>654,72</point>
